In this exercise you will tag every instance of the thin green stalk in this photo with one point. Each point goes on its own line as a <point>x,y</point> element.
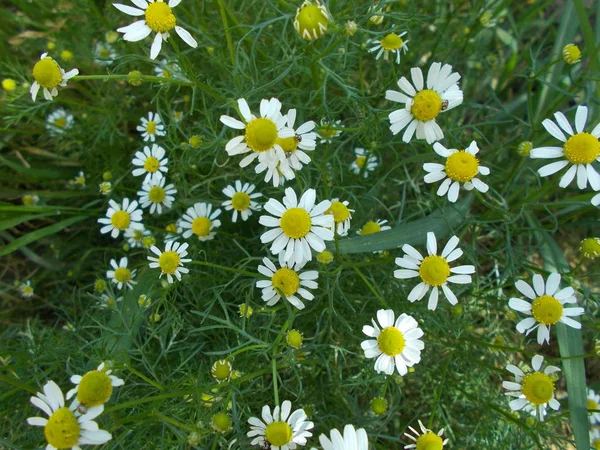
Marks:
<point>227,33</point>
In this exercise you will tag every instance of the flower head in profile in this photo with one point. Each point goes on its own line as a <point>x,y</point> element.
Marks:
<point>59,121</point>
<point>391,44</point>
<point>200,220</point>
<point>280,430</point>
<point>364,162</point>
<point>341,216</point>
<point>373,226</point>
<point>156,195</point>
<point>158,18</point>
<point>351,439</point>
<point>48,75</point>
<point>151,127</point>
<point>95,387</point>
<point>121,275</point>
<point>424,100</point>
<point>150,162</point>
<point>120,217</point>
<point>171,260</point>
<point>425,439</point>
<point>311,20</point>
<point>241,200</point>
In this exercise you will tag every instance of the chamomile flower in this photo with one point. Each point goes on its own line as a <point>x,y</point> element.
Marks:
<point>364,162</point>
<point>200,220</point>
<point>26,289</point>
<point>304,139</point>
<point>65,426</point>
<point>579,150</point>
<point>422,106</point>
<point>78,180</point>
<point>595,438</point>
<point>171,260</point>
<point>49,75</point>
<point>59,121</point>
<point>135,236</point>
<point>94,388</point>
<point>311,20</point>
<point>158,17</point>
<point>435,271</point>
<point>282,430</point>
<point>155,194</point>
<point>30,200</point>
<point>546,307</point>
<point>341,216</point>
<point>329,130</point>
<point>461,167</point>
<point>352,439</point>
<point>168,69</point>
<point>534,390</point>
<point>593,402</point>
<point>373,227</point>
<point>426,439</point>
<point>150,161</point>
<point>109,301</point>
<point>121,275</point>
<point>396,344</point>
<point>241,200</point>
<point>120,217</point>
<point>105,187</point>
<point>151,127</point>
<point>392,43</point>
<point>221,370</point>
<point>104,54</point>
<point>287,280</point>
<point>297,226</point>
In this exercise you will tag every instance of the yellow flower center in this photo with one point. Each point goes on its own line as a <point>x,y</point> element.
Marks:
<point>294,338</point>
<point>391,341</point>
<point>434,270</point>
<point>201,226</point>
<point>312,20</point>
<point>596,444</point>
<point>27,290</point>
<point>339,211</point>
<point>289,145</point>
<point>240,201</point>
<point>591,404</point>
<point>429,441</point>
<point>360,161</point>
<point>151,127</point>
<point>538,388</point>
<point>171,228</point>
<point>62,429</point>
<point>221,370</point>
<point>110,302</point>
<point>391,42</point>
<point>221,422</point>
<point>590,247</point>
<point>61,122</point>
<point>278,433</point>
<point>261,134</point>
<point>104,53</point>
<point>120,219</point>
<point>156,194</point>
<point>95,388</point>
<point>462,166</point>
<point>379,405</point>
<point>80,180</point>
<point>427,104</point>
<point>295,223</point>
<point>138,235</point>
<point>159,17</point>
<point>571,53</point>
<point>582,148</point>
<point>47,73</point>
<point>370,228</point>
<point>327,132</point>
<point>123,275</point>
<point>151,164</point>
<point>169,261</point>
<point>286,281</point>
<point>546,309</point>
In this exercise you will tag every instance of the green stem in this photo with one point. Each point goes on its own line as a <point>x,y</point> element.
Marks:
<point>370,286</point>
<point>228,269</point>
<point>588,37</point>
<point>227,33</point>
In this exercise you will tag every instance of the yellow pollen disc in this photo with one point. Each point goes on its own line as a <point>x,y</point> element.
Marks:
<point>278,433</point>
<point>138,235</point>
<point>427,104</point>
<point>62,429</point>
<point>462,166</point>
<point>391,341</point>
<point>95,388</point>
<point>434,270</point>
<point>582,148</point>
<point>339,211</point>
<point>151,127</point>
<point>159,17</point>
<point>538,388</point>
<point>295,223</point>
<point>240,201</point>
<point>47,73</point>
<point>294,339</point>
<point>286,280</point>
<point>391,42</point>
<point>429,441</point>
<point>61,122</point>
<point>311,19</point>
<point>120,219</point>
<point>169,261</point>
<point>156,194</point>
<point>327,131</point>
<point>123,275</point>
<point>221,370</point>
<point>596,444</point>
<point>261,134</point>
<point>591,404</point>
<point>111,302</point>
<point>152,164</point>
<point>201,226</point>
<point>104,53</point>
<point>289,145</point>
<point>546,309</point>
<point>370,228</point>
<point>360,161</point>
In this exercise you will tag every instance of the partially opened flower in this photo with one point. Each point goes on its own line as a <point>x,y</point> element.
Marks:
<point>311,20</point>
<point>328,130</point>
<point>352,439</point>
<point>373,227</point>
<point>48,75</point>
<point>120,217</point>
<point>156,195</point>
<point>121,275</point>
<point>341,216</point>
<point>241,200</point>
<point>94,388</point>
<point>200,220</point>
<point>150,162</point>
<point>364,163</point>
<point>426,439</point>
<point>151,127</point>
<point>171,260</point>
<point>392,43</point>
<point>282,430</point>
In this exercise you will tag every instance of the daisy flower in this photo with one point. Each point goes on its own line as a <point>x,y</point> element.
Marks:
<point>426,439</point>
<point>59,121</point>
<point>155,194</point>
<point>241,200</point>
<point>168,69</point>
<point>297,226</point>
<point>395,344</point>
<point>282,430</point>
<point>49,75</point>
<point>304,139</point>
<point>94,388</point>
<point>109,301</point>
<point>287,280</point>
<point>593,402</point>
<point>120,217</point>
<point>328,130</point>
<point>79,180</point>
<point>422,106</point>
<point>311,20</point>
<point>25,289</point>
<point>200,220</point>
<point>365,162</point>
<point>595,438</point>
<point>171,260</point>
<point>534,390</point>
<point>462,166</point>
<point>150,162</point>
<point>434,270</point>
<point>66,428</point>
<point>151,127</point>
<point>390,44</point>
<point>546,306</point>
<point>135,236</point>
<point>579,150</point>
<point>373,227</point>
<point>341,216</point>
<point>104,54</point>
<point>121,275</point>
<point>221,370</point>
<point>352,439</point>
<point>158,17</point>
